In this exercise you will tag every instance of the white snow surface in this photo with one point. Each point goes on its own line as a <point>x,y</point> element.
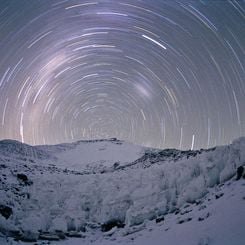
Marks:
<point>90,154</point>
<point>110,191</point>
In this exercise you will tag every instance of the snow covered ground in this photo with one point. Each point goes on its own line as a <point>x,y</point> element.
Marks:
<point>94,154</point>
<point>112,192</point>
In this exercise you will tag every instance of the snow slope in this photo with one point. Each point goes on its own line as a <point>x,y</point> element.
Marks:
<point>216,219</point>
<point>109,191</point>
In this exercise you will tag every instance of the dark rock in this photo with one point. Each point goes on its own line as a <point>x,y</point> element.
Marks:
<point>60,234</point>
<point>181,221</point>
<point>202,207</point>
<point>159,219</point>
<point>5,211</point>
<point>49,237</point>
<point>203,217</point>
<point>17,189</point>
<point>184,220</point>
<point>22,177</point>
<point>116,165</point>
<point>16,234</point>
<point>82,229</point>
<point>198,202</point>
<point>217,196</point>
<point>110,224</point>
<point>75,234</point>
<point>29,236</point>
<point>239,172</point>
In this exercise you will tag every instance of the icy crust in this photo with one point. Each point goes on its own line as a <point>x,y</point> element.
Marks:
<point>56,200</point>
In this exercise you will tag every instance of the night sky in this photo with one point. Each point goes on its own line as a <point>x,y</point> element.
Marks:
<point>159,73</point>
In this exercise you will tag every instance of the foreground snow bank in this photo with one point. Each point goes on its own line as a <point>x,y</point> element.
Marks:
<point>218,219</point>
<point>58,202</point>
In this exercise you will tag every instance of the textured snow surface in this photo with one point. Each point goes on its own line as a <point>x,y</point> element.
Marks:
<point>109,191</point>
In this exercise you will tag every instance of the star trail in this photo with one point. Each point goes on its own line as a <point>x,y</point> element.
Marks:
<point>156,73</point>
